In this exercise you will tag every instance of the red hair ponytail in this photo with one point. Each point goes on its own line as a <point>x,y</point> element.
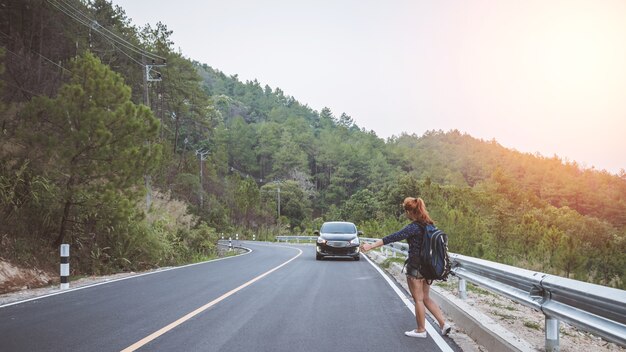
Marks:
<point>416,210</point>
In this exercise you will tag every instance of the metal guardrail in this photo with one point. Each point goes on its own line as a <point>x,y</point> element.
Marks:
<point>593,308</point>
<point>297,239</point>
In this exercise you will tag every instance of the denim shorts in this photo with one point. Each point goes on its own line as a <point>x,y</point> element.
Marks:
<point>413,273</point>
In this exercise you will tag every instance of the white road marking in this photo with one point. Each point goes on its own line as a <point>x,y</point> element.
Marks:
<point>120,279</point>
<point>432,331</point>
<point>176,323</point>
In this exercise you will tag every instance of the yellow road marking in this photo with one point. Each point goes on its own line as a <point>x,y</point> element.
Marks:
<point>171,326</point>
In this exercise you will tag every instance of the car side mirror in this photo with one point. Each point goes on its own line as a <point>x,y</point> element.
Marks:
<point>316,232</point>
<point>360,233</point>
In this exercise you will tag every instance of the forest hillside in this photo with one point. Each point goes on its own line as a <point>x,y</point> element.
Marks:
<point>138,157</point>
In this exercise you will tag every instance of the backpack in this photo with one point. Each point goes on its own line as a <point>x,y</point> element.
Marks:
<point>433,261</point>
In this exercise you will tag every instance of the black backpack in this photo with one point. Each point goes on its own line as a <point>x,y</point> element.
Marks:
<point>433,260</point>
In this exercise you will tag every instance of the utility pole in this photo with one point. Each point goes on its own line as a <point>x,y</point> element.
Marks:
<point>146,99</point>
<point>278,200</point>
<point>201,155</point>
<point>149,76</point>
<point>278,195</point>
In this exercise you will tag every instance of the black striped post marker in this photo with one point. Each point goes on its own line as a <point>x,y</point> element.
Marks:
<point>65,266</point>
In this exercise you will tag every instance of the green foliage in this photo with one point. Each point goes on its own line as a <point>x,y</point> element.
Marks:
<point>387,262</point>
<point>532,325</point>
<point>478,290</point>
<point>76,144</point>
<point>294,205</point>
<point>442,156</point>
<point>90,139</point>
<point>362,206</point>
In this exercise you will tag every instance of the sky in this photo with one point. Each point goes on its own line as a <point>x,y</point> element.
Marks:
<point>542,76</point>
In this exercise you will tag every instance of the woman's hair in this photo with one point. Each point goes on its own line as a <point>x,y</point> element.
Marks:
<point>416,210</point>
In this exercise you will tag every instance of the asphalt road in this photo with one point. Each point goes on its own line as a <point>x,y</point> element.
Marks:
<point>300,304</point>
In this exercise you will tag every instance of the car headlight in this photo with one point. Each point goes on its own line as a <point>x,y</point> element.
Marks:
<point>321,240</point>
<point>355,241</point>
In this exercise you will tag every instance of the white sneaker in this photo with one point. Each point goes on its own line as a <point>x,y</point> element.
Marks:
<point>446,329</point>
<point>414,333</point>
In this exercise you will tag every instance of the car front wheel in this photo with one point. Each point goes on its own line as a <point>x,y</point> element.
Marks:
<point>318,257</point>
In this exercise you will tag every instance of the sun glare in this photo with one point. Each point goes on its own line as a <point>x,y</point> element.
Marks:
<point>581,58</point>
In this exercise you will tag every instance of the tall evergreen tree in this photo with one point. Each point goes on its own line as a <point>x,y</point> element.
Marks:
<point>91,139</point>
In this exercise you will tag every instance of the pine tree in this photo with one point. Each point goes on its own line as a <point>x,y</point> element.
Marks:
<point>91,139</point>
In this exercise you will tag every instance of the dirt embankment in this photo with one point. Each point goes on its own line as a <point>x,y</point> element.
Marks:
<point>14,278</point>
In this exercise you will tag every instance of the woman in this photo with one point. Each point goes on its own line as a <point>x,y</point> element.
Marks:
<point>415,210</point>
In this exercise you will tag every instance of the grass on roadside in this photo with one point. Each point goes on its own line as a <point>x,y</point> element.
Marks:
<point>446,285</point>
<point>475,289</point>
<point>532,325</point>
<point>503,316</point>
<point>387,262</point>
<point>495,304</point>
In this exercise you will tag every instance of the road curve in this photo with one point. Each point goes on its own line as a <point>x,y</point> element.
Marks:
<point>300,304</point>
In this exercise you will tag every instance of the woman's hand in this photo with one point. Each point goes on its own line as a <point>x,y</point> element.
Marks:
<point>369,246</point>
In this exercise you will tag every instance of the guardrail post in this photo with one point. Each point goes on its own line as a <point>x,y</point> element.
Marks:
<point>552,335</point>
<point>65,266</point>
<point>230,243</point>
<point>462,289</point>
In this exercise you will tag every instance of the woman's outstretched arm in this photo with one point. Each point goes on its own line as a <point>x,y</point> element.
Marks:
<point>369,246</point>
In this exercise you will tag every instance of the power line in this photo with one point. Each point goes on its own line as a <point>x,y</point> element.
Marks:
<point>22,57</point>
<point>128,56</point>
<point>66,8</point>
<point>84,21</point>
<point>71,11</point>
<point>23,89</point>
<point>95,23</point>
<point>241,173</point>
<point>34,52</point>
<point>109,35</point>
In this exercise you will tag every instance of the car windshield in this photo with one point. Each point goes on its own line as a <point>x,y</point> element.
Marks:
<point>338,227</point>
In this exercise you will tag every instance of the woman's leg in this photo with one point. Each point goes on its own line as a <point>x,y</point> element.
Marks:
<point>415,286</point>
<point>432,305</point>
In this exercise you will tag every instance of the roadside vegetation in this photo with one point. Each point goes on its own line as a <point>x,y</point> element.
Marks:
<point>79,141</point>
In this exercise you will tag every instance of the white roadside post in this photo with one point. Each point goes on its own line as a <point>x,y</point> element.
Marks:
<point>230,243</point>
<point>254,237</point>
<point>65,266</point>
<point>552,334</point>
<point>462,289</point>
